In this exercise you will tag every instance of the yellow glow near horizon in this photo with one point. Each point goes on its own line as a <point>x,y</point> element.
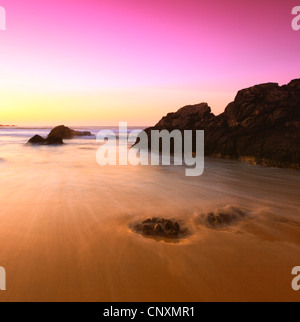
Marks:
<point>137,107</point>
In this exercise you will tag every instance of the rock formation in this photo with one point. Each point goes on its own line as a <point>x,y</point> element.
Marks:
<point>57,135</point>
<point>219,219</point>
<point>223,217</point>
<point>37,139</point>
<point>67,133</point>
<point>156,227</point>
<point>262,125</point>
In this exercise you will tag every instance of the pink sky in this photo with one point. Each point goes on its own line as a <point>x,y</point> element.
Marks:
<point>97,60</point>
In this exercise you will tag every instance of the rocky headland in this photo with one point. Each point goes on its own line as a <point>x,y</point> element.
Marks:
<point>262,125</point>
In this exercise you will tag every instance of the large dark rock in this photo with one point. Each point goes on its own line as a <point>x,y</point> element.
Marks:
<point>38,140</point>
<point>262,125</point>
<point>187,117</point>
<point>64,132</point>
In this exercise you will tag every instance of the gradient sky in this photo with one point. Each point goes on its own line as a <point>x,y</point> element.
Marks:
<point>98,62</point>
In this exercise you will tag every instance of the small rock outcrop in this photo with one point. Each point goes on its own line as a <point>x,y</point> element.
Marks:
<point>38,140</point>
<point>64,132</point>
<point>57,135</point>
<point>262,125</point>
<point>160,227</point>
<point>219,219</point>
<point>223,217</point>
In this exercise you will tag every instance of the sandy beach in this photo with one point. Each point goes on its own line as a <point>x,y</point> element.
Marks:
<point>65,228</point>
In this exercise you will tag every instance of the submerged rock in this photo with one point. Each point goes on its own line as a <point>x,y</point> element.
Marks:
<point>64,132</point>
<point>214,219</point>
<point>160,227</point>
<point>225,217</point>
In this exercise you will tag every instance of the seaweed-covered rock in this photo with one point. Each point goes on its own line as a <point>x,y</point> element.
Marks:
<point>160,227</point>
